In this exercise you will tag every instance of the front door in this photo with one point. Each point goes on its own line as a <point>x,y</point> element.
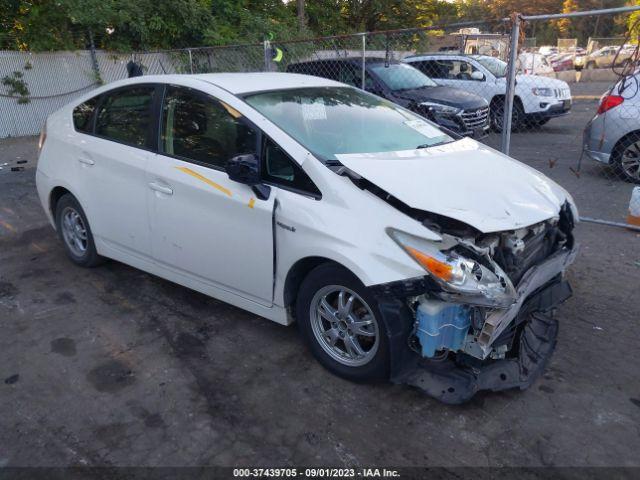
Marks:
<point>203,225</point>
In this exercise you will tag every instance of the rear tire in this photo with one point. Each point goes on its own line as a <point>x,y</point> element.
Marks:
<point>341,324</point>
<point>75,233</point>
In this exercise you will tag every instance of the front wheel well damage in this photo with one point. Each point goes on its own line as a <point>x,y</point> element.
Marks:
<point>297,274</point>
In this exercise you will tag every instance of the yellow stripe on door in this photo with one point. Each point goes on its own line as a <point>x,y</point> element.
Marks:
<point>211,183</point>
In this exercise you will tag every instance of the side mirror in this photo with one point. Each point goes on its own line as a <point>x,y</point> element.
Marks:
<point>246,169</point>
<point>477,75</point>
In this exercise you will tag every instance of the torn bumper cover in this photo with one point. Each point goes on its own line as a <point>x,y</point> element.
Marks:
<point>528,322</point>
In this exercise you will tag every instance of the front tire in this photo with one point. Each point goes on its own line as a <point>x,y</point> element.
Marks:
<point>497,114</point>
<point>75,233</point>
<point>341,324</point>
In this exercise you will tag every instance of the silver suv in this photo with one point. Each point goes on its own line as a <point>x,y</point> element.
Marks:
<point>612,136</point>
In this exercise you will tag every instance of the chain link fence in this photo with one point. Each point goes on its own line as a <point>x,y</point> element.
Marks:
<point>580,122</point>
<point>493,81</point>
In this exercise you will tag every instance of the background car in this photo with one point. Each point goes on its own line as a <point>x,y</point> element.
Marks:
<point>607,57</point>
<point>548,50</point>
<point>537,99</point>
<point>612,136</point>
<point>534,64</point>
<point>458,110</point>
<point>561,61</point>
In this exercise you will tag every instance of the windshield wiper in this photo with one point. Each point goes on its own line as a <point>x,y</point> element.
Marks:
<point>437,144</point>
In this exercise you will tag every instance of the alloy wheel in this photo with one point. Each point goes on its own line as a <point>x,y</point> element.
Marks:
<point>630,161</point>
<point>344,325</point>
<point>74,232</point>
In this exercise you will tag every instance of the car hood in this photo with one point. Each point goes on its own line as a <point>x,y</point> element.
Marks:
<point>466,181</point>
<point>539,81</point>
<point>445,95</point>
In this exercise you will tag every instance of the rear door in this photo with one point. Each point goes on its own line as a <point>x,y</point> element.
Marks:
<point>112,159</point>
<point>204,226</point>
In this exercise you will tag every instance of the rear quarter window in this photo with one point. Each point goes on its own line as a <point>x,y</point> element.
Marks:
<point>125,115</point>
<point>83,116</point>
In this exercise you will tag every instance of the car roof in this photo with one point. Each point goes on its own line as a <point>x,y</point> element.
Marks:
<point>350,60</point>
<point>441,54</point>
<point>239,83</point>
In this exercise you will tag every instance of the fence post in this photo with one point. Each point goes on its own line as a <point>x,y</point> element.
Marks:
<point>94,59</point>
<point>266,47</point>
<point>190,60</point>
<point>364,61</point>
<point>511,83</point>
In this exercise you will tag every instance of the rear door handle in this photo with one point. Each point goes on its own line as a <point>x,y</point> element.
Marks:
<point>86,161</point>
<point>161,188</point>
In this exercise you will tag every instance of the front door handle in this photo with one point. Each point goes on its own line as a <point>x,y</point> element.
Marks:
<point>161,188</point>
<point>86,161</point>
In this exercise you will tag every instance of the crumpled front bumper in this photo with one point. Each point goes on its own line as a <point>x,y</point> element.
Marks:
<point>454,382</point>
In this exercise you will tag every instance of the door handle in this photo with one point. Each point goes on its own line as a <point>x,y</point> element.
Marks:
<point>86,161</point>
<point>161,188</point>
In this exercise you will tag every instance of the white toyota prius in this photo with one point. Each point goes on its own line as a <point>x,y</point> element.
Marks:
<point>401,251</point>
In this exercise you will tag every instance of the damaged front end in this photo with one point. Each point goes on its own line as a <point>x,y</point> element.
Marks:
<point>482,318</point>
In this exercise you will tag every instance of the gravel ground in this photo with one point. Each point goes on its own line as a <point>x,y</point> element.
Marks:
<point>114,367</point>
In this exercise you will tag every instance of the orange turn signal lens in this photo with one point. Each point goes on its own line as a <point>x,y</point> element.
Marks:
<point>436,267</point>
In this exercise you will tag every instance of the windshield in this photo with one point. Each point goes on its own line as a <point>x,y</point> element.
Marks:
<point>496,66</point>
<point>399,76</point>
<point>330,121</point>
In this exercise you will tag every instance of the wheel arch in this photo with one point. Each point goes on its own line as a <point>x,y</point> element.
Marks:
<point>615,151</point>
<point>54,197</point>
<point>297,273</point>
<point>501,97</point>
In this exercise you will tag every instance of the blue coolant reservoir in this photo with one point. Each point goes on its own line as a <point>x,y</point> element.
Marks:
<point>441,325</point>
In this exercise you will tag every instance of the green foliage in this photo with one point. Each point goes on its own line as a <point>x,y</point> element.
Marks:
<point>17,86</point>
<point>126,25</point>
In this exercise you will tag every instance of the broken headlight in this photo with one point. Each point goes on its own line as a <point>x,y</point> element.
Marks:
<point>459,276</point>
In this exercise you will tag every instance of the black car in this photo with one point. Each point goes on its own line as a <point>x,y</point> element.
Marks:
<point>460,111</point>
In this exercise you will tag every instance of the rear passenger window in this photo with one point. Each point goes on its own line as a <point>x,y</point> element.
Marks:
<point>434,69</point>
<point>200,128</point>
<point>125,116</point>
<point>83,116</point>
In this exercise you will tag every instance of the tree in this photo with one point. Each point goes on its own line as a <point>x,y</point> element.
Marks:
<point>633,24</point>
<point>565,25</point>
<point>300,12</point>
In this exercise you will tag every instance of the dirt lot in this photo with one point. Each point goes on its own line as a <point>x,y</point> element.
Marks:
<point>112,366</point>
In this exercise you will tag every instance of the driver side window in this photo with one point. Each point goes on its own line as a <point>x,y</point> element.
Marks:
<point>461,70</point>
<point>199,128</point>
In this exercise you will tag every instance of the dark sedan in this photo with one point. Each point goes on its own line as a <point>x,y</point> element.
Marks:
<point>457,110</point>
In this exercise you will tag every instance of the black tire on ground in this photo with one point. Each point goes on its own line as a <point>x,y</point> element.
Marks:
<point>324,277</point>
<point>630,174</point>
<point>537,123</point>
<point>497,114</point>
<point>590,66</point>
<point>67,204</point>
